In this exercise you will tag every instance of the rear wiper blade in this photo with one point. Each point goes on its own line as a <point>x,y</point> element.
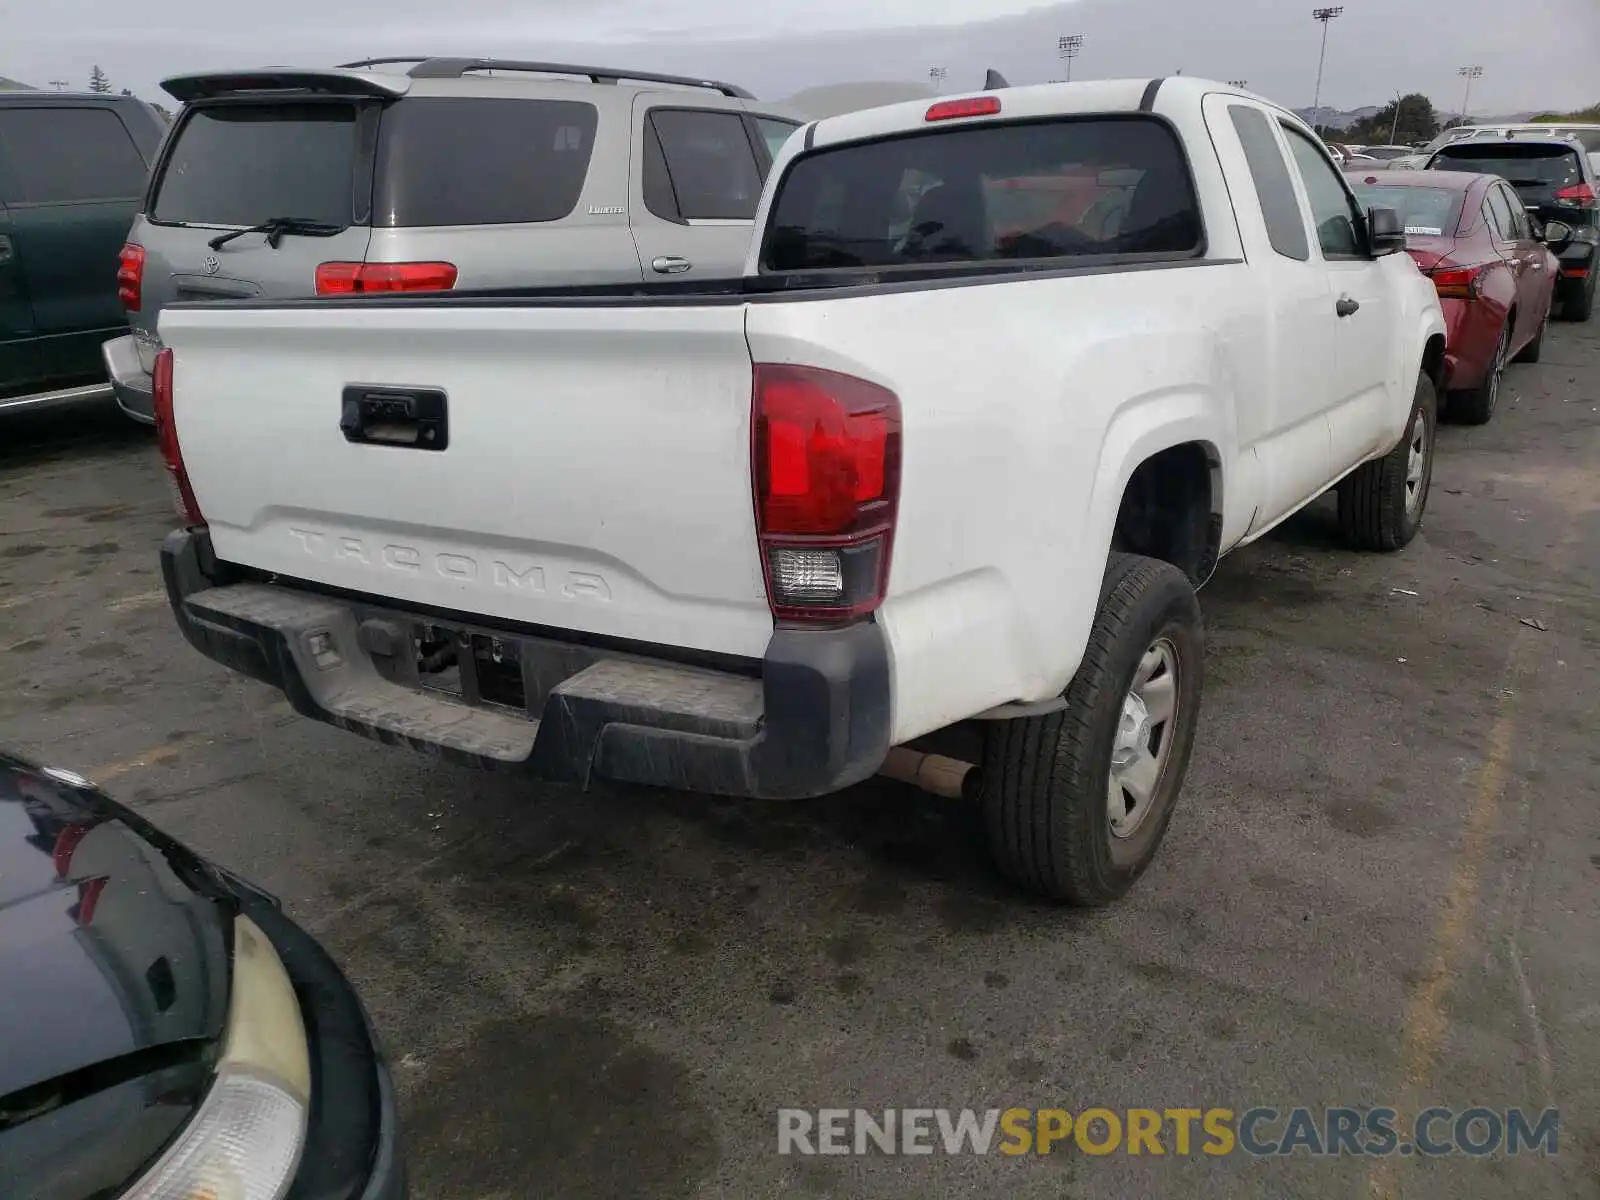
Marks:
<point>276,227</point>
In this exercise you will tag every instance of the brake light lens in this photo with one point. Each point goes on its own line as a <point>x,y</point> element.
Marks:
<point>1458,283</point>
<point>1579,195</point>
<point>976,106</point>
<point>826,471</point>
<point>167,436</point>
<point>349,278</point>
<point>130,277</point>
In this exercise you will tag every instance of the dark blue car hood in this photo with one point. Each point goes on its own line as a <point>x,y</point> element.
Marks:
<point>114,942</point>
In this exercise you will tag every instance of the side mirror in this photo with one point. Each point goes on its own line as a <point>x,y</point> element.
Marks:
<point>1386,233</point>
<point>1556,235</point>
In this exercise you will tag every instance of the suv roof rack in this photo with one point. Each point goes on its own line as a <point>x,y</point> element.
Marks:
<point>455,68</point>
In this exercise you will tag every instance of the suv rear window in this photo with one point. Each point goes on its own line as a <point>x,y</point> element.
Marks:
<point>242,164</point>
<point>465,161</point>
<point>1523,165</point>
<point>1058,189</point>
<point>1425,211</point>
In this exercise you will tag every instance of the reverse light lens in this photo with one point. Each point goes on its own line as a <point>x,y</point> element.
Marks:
<point>807,576</point>
<point>245,1141</point>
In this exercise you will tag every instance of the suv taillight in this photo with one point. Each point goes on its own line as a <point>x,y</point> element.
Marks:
<point>346,278</point>
<point>167,435</point>
<point>825,463</point>
<point>1579,195</point>
<point>130,277</point>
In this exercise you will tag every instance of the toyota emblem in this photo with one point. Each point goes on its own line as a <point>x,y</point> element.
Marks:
<point>212,264</point>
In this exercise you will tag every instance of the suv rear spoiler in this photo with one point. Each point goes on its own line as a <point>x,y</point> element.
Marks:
<point>269,80</point>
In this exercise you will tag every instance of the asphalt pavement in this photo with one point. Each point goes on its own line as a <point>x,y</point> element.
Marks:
<point>1382,887</point>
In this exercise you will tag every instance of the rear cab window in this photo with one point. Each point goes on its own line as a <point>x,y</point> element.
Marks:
<point>241,164</point>
<point>1063,189</point>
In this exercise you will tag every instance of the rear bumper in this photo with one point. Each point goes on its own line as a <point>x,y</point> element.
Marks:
<point>812,717</point>
<point>130,382</point>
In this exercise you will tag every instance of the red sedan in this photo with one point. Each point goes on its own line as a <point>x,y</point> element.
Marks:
<point>1491,263</point>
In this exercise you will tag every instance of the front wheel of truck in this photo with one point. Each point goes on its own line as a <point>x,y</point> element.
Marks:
<point>1076,802</point>
<point>1381,502</point>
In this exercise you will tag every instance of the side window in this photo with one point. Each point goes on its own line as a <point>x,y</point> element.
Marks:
<point>710,163</point>
<point>1286,228</point>
<point>1498,213</point>
<point>659,197</point>
<point>1520,228</point>
<point>1331,209</point>
<point>71,154</point>
<point>775,133</point>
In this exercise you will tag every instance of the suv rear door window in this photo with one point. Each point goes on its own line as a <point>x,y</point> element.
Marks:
<point>241,164</point>
<point>61,154</point>
<point>775,133</point>
<point>710,164</point>
<point>1060,189</point>
<point>465,161</point>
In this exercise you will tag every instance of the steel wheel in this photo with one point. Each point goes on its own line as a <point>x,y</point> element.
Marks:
<point>1143,745</point>
<point>1417,465</point>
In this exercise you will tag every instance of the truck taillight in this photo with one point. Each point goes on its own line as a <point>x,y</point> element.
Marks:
<point>1579,195</point>
<point>1457,283</point>
<point>348,278</point>
<point>167,435</point>
<point>130,277</point>
<point>825,463</point>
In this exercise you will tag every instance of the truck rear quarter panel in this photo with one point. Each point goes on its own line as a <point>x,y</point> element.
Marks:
<point>1027,404</point>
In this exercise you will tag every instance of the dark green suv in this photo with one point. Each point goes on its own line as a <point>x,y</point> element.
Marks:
<point>72,171</point>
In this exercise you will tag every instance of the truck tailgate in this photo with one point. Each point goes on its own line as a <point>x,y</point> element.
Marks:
<point>595,477</point>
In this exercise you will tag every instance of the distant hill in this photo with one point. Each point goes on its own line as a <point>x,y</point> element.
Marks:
<point>1336,118</point>
<point>11,85</point>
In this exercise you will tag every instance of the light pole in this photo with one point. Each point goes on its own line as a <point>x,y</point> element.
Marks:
<point>1067,48</point>
<point>937,74</point>
<point>1394,129</point>
<point>60,85</point>
<point>1469,74</point>
<point>1324,15</point>
<point>1238,83</point>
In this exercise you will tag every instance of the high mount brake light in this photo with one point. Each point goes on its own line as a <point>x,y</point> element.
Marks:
<point>826,470</point>
<point>975,106</point>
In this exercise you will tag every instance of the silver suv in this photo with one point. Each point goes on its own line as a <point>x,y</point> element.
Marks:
<point>457,173</point>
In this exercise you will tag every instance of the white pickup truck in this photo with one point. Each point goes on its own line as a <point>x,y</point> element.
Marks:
<point>1005,376</point>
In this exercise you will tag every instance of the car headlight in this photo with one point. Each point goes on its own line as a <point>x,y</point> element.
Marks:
<point>244,1141</point>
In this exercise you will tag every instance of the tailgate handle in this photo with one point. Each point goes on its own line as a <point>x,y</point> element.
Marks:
<point>411,418</point>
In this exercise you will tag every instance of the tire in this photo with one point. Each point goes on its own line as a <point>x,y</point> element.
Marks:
<point>1534,349</point>
<point>1581,304</point>
<point>1379,508</point>
<point>1047,794</point>
<point>1476,406</point>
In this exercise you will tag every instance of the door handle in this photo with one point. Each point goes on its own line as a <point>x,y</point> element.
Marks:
<point>670,264</point>
<point>417,418</point>
<point>1345,306</point>
<point>5,249</point>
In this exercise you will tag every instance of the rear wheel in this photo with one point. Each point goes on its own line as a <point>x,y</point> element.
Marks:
<point>1076,802</point>
<point>1580,303</point>
<point>1475,407</point>
<point>1381,502</point>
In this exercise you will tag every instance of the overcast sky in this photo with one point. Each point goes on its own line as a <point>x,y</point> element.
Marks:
<point>1539,53</point>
